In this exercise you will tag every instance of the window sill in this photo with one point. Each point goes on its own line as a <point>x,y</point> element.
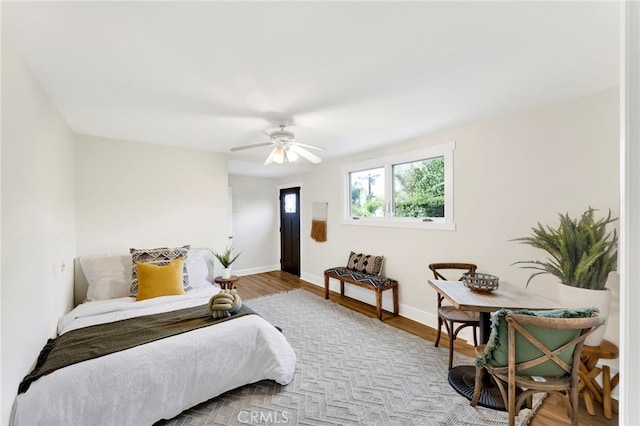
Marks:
<point>386,223</point>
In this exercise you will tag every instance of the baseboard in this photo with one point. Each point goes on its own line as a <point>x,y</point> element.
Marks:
<point>259,270</point>
<point>368,297</point>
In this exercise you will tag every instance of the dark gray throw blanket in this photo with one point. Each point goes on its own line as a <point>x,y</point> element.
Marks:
<point>103,339</point>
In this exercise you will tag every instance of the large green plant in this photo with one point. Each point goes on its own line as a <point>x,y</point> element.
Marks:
<point>582,252</point>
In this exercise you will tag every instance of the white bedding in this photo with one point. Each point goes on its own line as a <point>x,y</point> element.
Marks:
<point>159,380</point>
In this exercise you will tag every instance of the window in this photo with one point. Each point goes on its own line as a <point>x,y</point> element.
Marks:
<point>290,203</point>
<point>413,190</point>
<point>418,188</point>
<point>367,192</point>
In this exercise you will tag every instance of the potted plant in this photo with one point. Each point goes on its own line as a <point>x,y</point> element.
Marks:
<point>582,253</point>
<point>226,260</point>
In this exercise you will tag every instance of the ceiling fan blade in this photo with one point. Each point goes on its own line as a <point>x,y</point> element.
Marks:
<point>268,134</point>
<point>255,145</point>
<point>306,154</point>
<point>269,159</point>
<point>309,146</point>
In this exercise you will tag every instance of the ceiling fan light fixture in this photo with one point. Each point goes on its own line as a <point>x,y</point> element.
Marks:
<point>285,148</point>
<point>291,155</point>
<point>278,155</point>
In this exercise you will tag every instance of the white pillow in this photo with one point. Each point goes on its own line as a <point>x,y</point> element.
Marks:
<point>200,264</point>
<point>109,277</point>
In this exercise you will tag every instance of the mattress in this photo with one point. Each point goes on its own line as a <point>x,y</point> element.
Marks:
<point>158,380</point>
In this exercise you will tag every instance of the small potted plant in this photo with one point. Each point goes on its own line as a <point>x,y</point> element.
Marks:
<point>225,258</point>
<point>582,253</point>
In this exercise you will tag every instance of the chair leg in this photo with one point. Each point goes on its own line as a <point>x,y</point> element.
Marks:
<point>449,327</point>
<point>451,354</point>
<point>504,392</point>
<point>475,335</point>
<point>512,403</point>
<point>452,338</point>
<point>574,398</point>
<point>477,387</point>
<point>439,331</point>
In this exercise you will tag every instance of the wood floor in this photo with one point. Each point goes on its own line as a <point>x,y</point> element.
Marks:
<point>552,411</point>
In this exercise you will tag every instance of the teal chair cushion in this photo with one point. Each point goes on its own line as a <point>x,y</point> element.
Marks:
<point>496,349</point>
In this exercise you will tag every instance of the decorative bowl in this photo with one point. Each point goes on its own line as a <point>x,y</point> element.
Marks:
<point>480,282</point>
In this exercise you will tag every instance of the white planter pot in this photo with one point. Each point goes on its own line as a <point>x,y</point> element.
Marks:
<point>575,297</point>
<point>226,273</point>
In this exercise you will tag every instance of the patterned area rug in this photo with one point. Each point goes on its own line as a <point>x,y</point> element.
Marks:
<point>351,370</point>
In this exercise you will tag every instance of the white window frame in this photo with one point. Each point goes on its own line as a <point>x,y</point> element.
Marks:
<point>446,223</point>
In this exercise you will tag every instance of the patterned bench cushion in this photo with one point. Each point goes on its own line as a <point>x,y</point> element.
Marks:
<point>350,274</point>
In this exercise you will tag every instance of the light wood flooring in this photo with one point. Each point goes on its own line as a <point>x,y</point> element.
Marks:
<point>552,411</point>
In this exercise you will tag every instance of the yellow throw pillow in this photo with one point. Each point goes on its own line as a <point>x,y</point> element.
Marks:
<point>156,280</point>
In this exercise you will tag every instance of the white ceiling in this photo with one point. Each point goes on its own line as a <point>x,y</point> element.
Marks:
<point>349,76</point>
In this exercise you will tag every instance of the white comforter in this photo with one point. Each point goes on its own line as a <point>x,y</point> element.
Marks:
<point>159,380</point>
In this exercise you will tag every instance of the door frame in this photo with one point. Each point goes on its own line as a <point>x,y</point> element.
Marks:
<point>287,186</point>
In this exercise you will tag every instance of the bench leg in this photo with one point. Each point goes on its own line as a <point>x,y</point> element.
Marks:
<point>379,303</point>
<point>395,301</point>
<point>326,286</point>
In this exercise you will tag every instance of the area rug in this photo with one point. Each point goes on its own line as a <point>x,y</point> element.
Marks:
<point>351,370</point>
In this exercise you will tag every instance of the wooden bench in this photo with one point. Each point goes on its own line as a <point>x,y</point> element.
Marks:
<point>361,279</point>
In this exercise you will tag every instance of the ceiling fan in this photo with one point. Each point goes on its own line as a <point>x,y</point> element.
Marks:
<point>285,148</point>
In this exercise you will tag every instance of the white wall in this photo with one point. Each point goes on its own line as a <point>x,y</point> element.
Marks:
<point>38,219</point>
<point>509,173</point>
<point>132,194</point>
<point>255,224</point>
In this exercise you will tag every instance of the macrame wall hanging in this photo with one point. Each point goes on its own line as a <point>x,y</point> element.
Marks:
<point>319,221</point>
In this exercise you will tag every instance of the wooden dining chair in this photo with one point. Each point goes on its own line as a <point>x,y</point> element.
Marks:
<point>542,355</point>
<point>449,315</point>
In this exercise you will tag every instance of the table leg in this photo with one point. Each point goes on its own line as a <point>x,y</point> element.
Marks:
<point>485,332</point>
<point>485,327</point>
<point>462,379</point>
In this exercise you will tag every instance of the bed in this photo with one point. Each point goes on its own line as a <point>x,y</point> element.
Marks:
<point>160,379</point>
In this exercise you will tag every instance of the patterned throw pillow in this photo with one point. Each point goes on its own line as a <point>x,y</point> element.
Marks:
<point>371,264</point>
<point>366,263</point>
<point>354,259</point>
<point>158,256</point>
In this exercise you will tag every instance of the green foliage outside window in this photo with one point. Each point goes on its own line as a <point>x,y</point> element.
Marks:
<point>419,188</point>
<point>367,193</point>
<point>371,207</point>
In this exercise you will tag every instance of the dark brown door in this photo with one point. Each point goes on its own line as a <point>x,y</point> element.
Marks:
<point>290,230</point>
